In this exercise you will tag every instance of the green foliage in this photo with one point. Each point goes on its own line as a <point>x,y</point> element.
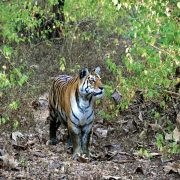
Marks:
<point>105,115</point>
<point>62,64</point>
<point>173,148</point>
<point>25,20</point>
<point>111,65</point>
<point>152,56</point>
<point>164,146</point>
<point>14,105</point>
<point>11,76</point>
<point>15,124</point>
<point>159,141</point>
<point>4,119</point>
<point>144,153</point>
<point>108,90</point>
<point>102,11</point>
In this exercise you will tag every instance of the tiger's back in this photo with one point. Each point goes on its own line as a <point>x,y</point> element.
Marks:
<point>59,96</point>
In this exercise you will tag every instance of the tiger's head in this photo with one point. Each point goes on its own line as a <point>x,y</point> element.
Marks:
<point>90,83</point>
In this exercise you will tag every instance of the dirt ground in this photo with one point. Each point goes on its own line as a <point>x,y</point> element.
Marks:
<point>114,143</point>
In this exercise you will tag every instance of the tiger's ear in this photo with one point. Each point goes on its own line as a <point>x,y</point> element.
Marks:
<point>84,72</point>
<point>97,70</point>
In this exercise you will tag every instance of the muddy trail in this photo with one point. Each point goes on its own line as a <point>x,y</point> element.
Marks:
<point>115,143</point>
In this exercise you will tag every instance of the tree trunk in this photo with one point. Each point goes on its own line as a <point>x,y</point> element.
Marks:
<point>50,22</point>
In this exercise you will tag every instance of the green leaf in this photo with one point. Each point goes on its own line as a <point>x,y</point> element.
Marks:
<point>22,80</point>
<point>150,93</point>
<point>178,5</point>
<point>14,105</point>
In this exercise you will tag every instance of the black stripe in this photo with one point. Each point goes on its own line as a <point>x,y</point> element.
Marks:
<point>77,97</point>
<point>54,100</point>
<point>89,102</point>
<point>52,117</point>
<point>74,123</point>
<point>89,123</point>
<point>83,84</point>
<point>86,90</point>
<point>74,115</point>
<point>90,115</point>
<point>98,93</point>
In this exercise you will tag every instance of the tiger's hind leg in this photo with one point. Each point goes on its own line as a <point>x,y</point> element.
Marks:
<point>69,144</point>
<point>54,125</point>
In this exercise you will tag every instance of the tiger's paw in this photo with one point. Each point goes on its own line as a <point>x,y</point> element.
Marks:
<point>52,141</point>
<point>76,156</point>
<point>83,158</point>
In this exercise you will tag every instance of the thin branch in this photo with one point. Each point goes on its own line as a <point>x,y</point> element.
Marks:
<point>172,93</point>
<point>160,49</point>
<point>124,161</point>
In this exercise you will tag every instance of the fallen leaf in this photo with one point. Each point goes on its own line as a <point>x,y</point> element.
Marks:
<point>39,154</point>
<point>116,96</point>
<point>140,116</point>
<point>83,158</point>
<point>34,66</point>
<point>16,135</point>
<point>9,161</point>
<point>55,165</point>
<point>111,178</point>
<point>2,152</point>
<point>156,127</point>
<point>176,134</point>
<point>143,134</point>
<point>168,136</point>
<point>102,132</point>
<point>172,167</point>
<point>31,142</point>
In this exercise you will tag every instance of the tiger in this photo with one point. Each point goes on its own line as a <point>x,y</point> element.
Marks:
<point>71,103</point>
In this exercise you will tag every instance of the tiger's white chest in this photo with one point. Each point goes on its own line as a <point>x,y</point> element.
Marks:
<point>82,112</point>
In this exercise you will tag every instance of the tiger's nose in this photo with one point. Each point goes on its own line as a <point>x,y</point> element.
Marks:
<point>101,88</point>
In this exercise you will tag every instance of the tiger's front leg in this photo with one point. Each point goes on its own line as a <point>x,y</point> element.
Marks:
<point>75,135</point>
<point>86,134</point>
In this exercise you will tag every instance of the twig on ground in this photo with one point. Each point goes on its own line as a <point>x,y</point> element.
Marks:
<point>124,161</point>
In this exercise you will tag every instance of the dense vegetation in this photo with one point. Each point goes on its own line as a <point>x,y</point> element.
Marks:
<point>147,30</point>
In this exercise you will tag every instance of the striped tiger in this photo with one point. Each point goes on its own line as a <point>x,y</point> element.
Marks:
<point>71,102</point>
